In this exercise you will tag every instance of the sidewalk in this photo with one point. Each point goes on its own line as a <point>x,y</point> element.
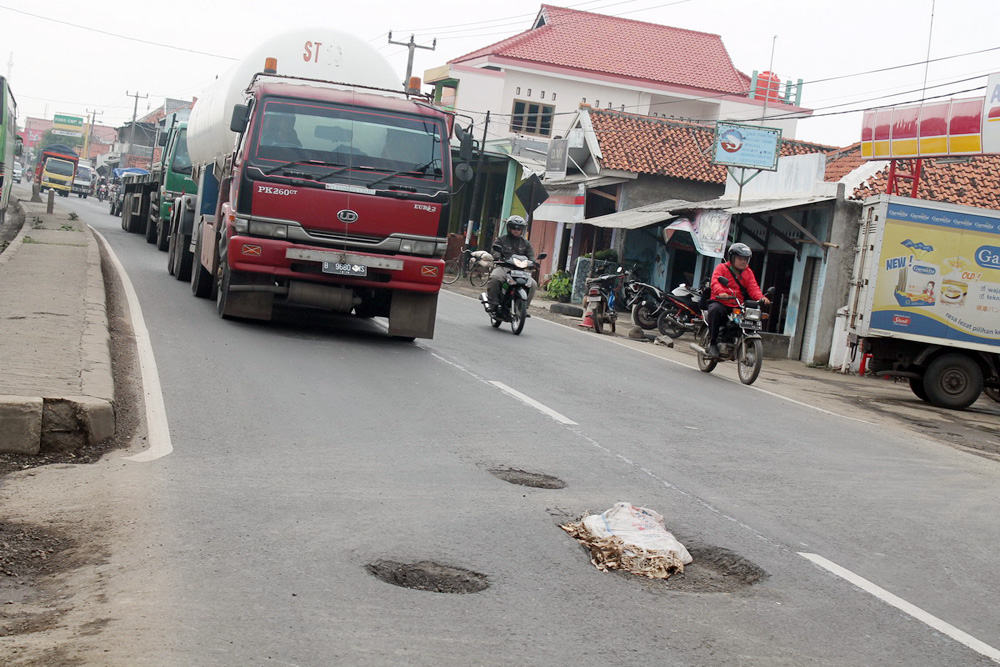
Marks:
<point>56,386</point>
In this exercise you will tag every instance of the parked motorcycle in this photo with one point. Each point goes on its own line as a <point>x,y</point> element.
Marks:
<point>601,300</point>
<point>682,310</point>
<point>645,301</point>
<point>739,339</point>
<point>513,306</point>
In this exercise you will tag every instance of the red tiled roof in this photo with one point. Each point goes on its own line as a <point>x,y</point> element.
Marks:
<point>622,47</point>
<point>648,145</point>
<point>974,181</point>
<point>842,162</point>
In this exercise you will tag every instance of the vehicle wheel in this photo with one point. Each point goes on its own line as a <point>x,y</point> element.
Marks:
<point>917,387</point>
<point>162,235</point>
<point>126,213</point>
<point>518,312</point>
<point>642,317</point>
<point>749,359</point>
<point>171,254</point>
<point>495,321</point>
<point>451,270</point>
<point>478,274</point>
<point>612,319</point>
<point>201,278</point>
<point>667,323</point>
<point>597,316</point>
<point>705,363</point>
<point>953,381</point>
<point>151,229</point>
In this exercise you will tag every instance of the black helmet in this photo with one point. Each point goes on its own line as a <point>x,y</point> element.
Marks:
<point>516,222</point>
<point>739,249</point>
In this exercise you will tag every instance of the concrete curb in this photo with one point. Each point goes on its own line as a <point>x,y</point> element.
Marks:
<point>31,424</point>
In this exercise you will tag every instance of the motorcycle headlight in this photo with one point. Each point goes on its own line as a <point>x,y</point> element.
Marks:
<point>751,313</point>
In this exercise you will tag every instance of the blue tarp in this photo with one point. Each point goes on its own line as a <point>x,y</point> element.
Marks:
<point>118,172</point>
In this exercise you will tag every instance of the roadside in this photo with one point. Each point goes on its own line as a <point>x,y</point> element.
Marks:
<point>882,402</point>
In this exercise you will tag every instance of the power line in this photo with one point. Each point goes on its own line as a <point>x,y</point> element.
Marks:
<point>114,34</point>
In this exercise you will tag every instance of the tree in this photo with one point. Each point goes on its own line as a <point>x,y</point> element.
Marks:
<point>48,139</point>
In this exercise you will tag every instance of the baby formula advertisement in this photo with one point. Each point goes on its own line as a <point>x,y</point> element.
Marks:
<point>939,275</point>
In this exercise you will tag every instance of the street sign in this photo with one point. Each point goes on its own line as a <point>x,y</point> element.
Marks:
<point>556,159</point>
<point>65,125</point>
<point>532,193</point>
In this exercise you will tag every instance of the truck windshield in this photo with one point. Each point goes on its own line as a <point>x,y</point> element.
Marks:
<point>182,161</point>
<point>372,144</point>
<point>83,174</point>
<point>60,167</point>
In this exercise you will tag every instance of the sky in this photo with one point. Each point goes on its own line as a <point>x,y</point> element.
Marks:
<point>72,57</point>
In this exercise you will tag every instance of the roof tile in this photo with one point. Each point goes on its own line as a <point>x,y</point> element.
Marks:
<point>970,181</point>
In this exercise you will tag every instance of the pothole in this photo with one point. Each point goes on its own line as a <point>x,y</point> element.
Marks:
<point>535,480</point>
<point>714,570</point>
<point>429,576</point>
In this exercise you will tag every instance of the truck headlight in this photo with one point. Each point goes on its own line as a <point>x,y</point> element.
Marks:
<point>271,229</point>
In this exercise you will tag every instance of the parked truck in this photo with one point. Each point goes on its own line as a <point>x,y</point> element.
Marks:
<point>148,199</point>
<point>56,169</point>
<point>925,297</point>
<point>333,185</point>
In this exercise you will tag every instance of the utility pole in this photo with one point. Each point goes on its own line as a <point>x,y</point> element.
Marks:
<point>477,186</point>
<point>135,113</point>
<point>411,45</point>
<point>91,117</point>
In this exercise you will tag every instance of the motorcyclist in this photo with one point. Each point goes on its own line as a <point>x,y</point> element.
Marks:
<point>742,283</point>
<point>511,243</point>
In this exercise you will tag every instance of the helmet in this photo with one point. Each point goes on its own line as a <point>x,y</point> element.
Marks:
<point>739,249</point>
<point>516,222</point>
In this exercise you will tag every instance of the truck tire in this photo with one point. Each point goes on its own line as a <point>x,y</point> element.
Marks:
<point>953,381</point>
<point>201,278</point>
<point>126,213</point>
<point>917,387</point>
<point>162,235</point>
<point>150,229</point>
<point>182,258</point>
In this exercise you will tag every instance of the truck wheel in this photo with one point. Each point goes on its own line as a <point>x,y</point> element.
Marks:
<point>126,213</point>
<point>150,229</point>
<point>222,297</point>
<point>183,258</point>
<point>953,381</point>
<point>162,235</point>
<point>917,387</point>
<point>201,278</point>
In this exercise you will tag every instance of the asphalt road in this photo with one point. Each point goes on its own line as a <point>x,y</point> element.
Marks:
<point>303,453</point>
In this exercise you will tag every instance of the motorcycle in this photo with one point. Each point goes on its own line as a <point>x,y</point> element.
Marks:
<point>513,306</point>
<point>102,192</point>
<point>645,302</point>
<point>601,301</point>
<point>682,310</point>
<point>739,339</point>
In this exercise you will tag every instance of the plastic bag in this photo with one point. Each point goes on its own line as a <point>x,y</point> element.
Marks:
<point>631,538</point>
<point>483,258</point>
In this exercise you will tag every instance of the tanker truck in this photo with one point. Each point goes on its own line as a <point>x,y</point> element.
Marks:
<point>322,184</point>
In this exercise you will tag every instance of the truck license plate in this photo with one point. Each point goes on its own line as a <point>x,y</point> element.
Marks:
<point>345,269</point>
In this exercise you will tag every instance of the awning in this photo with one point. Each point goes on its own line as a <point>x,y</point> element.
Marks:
<point>652,214</point>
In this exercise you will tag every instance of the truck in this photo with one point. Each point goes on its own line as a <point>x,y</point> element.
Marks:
<point>56,169</point>
<point>332,185</point>
<point>10,145</point>
<point>925,297</point>
<point>83,181</point>
<point>148,198</point>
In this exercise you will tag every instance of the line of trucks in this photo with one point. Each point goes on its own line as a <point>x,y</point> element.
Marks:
<point>307,176</point>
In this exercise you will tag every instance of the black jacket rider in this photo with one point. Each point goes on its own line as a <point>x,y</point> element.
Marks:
<point>514,245</point>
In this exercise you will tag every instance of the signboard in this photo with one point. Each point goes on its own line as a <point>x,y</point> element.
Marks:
<point>709,231</point>
<point>991,115</point>
<point>749,146</point>
<point>556,159</point>
<point>65,125</point>
<point>531,193</point>
<point>939,274</point>
<point>933,129</point>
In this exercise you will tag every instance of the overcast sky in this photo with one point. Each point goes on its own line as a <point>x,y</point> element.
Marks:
<point>71,56</point>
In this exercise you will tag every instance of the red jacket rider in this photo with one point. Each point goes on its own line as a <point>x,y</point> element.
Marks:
<point>736,269</point>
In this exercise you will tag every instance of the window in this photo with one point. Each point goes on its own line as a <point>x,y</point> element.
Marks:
<point>517,91</point>
<point>597,104</point>
<point>530,118</point>
<point>554,97</point>
<point>529,92</point>
<point>543,94</point>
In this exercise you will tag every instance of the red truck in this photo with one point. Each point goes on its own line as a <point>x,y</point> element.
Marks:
<point>333,185</point>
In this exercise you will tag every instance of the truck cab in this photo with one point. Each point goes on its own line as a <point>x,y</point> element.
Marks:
<point>83,182</point>
<point>57,175</point>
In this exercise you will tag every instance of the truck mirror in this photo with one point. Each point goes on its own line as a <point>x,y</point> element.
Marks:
<point>162,139</point>
<point>465,142</point>
<point>241,116</point>
<point>19,147</point>
<point>463,172</point>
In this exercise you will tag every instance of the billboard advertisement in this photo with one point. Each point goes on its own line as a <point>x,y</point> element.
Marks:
<point>65,125</point>
<point>939,275</point>
<point>749,146</point>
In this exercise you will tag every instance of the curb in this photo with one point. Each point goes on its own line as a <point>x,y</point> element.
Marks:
<point>32,424</point>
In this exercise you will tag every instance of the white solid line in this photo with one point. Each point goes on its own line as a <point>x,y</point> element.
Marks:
<point>156,413</point>
<point>904,606</point>
<point>533,403</point>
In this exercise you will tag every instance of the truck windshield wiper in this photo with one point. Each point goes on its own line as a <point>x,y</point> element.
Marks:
<point>318,163</point>
<point>421,170</point>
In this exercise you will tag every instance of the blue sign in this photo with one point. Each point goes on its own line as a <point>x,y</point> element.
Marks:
<point>749,146</point>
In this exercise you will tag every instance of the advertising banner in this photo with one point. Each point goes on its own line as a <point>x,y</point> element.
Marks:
<point>991,115</point>
<point>65,125</point>
<point>939,275</point>
<point>709,231</point>
<point>747,146</point>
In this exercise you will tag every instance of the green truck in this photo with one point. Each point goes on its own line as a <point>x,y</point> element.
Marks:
<point>148,200</point>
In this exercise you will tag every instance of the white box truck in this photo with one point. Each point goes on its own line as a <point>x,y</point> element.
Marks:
<point>925,297</point>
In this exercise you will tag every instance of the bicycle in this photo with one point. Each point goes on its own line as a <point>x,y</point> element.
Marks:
<point>469,264</point>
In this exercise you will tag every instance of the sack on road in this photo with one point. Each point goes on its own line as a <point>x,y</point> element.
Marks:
<point>630,538</point>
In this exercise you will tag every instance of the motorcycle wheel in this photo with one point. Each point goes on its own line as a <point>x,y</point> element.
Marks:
<point>518,312</point>
<point>597,317</point>
<point>749,359</point>
<point>643,317</point>
<point>667,323</point>
<point>705,363</point>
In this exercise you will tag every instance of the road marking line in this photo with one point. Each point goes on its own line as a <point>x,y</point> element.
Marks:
<point>533,403</point>
<point>906,607</point>
<point>156,412</point>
